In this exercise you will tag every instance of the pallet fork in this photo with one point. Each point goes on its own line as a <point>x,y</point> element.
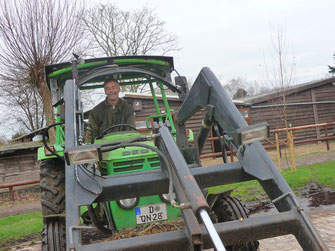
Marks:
<point>253,164</point>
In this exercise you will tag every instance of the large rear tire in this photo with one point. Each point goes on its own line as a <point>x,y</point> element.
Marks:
<point>228,208</point>
<point>52,187</point>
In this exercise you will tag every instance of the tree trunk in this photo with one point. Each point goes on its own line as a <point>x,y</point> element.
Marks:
<point>48,108</point>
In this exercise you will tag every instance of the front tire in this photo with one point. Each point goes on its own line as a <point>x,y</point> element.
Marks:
<point>228,208</point>
<point>52,185</point>
<point>54,235</point>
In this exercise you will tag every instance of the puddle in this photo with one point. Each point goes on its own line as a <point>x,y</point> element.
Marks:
<point>318,196</point>
<point>321,198</point>
<point>263,207</point>
<point>312,197</point>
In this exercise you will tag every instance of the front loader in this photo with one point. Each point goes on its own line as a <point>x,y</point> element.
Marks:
<point>124,179</point>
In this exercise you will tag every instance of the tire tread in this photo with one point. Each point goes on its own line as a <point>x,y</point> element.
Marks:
<point>228,208</point>
<point>52,186</point>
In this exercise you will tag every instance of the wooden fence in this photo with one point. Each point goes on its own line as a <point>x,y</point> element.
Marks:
<point>277,144</point>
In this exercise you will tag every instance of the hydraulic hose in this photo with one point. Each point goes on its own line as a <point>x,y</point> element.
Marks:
<point>45,142</point>
<point>96,221</point>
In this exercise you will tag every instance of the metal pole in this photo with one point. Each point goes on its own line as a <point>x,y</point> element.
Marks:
<point>290,133</point>
<point>166,104</point>
<point>211,230</point>
<point>71,186</point>
<point>326,135</point>
<point>158,111</point>
<point>278,150</point>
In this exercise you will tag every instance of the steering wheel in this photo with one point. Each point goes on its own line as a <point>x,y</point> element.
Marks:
<point>115,126</point>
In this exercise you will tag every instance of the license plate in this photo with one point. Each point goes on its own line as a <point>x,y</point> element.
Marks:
<point>150,213</point>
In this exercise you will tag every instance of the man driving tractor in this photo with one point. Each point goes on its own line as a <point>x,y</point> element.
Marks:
<point>112,111</point>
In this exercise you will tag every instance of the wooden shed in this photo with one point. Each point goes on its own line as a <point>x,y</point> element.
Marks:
<point>308,103</point>
<point>18,162</point>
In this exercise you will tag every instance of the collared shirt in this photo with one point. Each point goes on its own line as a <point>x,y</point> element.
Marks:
<point>105,115</point>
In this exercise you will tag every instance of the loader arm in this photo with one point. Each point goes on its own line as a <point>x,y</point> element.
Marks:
<point>207,92</point>
<point>185,180</point>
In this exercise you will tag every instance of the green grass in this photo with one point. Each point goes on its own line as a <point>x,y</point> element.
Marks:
<point>17,226</point>
<point>321,173</point>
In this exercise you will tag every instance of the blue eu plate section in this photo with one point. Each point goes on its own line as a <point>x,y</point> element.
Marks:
<point>137,211</point>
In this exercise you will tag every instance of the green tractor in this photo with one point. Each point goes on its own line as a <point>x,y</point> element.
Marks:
<point>118,214</point>
<point>119,180</point>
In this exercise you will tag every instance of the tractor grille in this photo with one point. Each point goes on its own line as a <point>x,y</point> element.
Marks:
<point>128,165</point>
<point>138,164</point>
<point>154,162</point>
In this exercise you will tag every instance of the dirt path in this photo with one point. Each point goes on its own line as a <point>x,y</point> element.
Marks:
<point>27,246</point>
<point>20,208</point>
<point>301,157</point>
<point>324,221</point>
<point>309,159</point>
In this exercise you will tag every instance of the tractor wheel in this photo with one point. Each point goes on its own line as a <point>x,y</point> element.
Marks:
<point>228,208</point>
<point>54,235</point>
<point>52,187</point>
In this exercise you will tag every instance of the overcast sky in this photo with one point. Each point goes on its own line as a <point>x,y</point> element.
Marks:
<point>233,37</point>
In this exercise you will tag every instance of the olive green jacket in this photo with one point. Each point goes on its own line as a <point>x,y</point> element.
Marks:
<point>105,115</point>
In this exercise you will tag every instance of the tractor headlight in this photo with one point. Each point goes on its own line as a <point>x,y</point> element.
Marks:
<point>127,203</point>
<point>253,133</point>
<point>166,198</point>
<point>83,154</point>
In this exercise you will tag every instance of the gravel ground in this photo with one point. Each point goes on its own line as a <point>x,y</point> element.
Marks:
<point>20,208</point>
<point>324,221</point>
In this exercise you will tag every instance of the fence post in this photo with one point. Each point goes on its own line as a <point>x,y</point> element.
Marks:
<point>326,135</point>
<point>11,194</point>
<point>231,153</point>
<point>291,145</point>
<point>278,150</point>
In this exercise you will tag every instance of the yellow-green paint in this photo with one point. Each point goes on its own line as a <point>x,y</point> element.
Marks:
<point>167,107</point>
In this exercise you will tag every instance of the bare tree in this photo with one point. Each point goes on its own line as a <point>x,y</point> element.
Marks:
<point>117,32</point>
<point>331,69</point>
<point>25,97</point>
<point>3,140</point>
<point>32,35</point>
<point>280,75</point>
<point>240,87</point>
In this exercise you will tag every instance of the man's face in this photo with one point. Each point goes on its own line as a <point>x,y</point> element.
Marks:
<point>112,90</point>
